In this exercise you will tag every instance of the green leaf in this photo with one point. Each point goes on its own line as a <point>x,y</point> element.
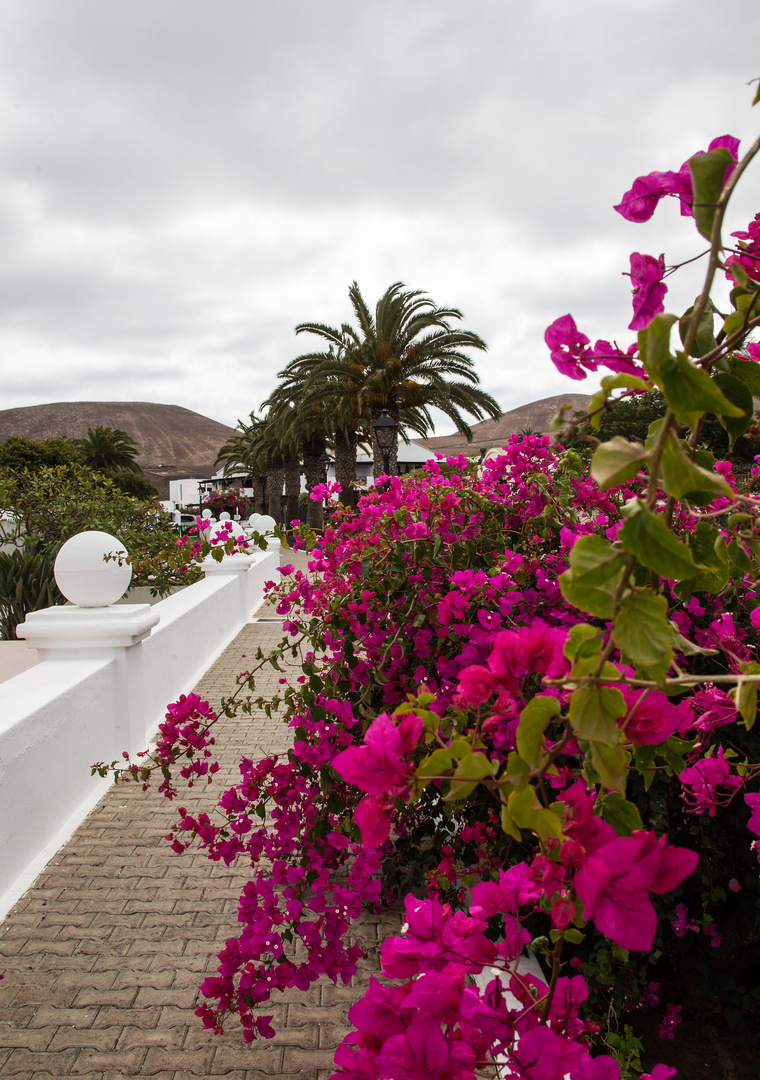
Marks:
<point>583,641</point>
<point>708,171</point>
<point>616,461</point>
<point>654,346</point>
<point>683,479</point>
<point>472,767</point>
<point>528,813</point>
<point>610,762</point>
<point>508,824</point>
<point>517,771</point>
<point>622,381</point>
<point>691,391</point>
<point>710,551</point>
<point>745,694</point>
<point>739,558</point>
<point>646,536</point>
<point>534,719</point>
<point>593,576</point>
<point>745,300</point>
<point>748,372</point>
<point>436,764</point>
<point>624,816</point>
<point>642,630</point>
<point>705,339</point>
<point>739,394</point>
<point>594,711</point>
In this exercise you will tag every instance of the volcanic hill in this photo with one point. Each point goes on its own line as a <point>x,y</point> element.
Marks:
<point>536,416</point>
<point>174,442</point>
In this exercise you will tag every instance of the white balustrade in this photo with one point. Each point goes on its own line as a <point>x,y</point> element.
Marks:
<point>106,674</point>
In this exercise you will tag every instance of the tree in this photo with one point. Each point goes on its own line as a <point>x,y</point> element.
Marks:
<point>135,484</point>
<point>631,418</point>
<point>407,358</point>
<point>109,450</point>
<point>53,503</point>
<point>18,452</point>
<point>260,446</point>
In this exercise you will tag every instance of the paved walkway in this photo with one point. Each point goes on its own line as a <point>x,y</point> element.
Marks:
<point>104,954</point>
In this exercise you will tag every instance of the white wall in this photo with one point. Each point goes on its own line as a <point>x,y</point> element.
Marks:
<point>62,715</point>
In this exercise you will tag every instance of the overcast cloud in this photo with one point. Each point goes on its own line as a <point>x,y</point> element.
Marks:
<point>182,181</point>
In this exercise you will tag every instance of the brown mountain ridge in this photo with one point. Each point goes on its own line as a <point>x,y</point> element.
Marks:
<point>174,442</point>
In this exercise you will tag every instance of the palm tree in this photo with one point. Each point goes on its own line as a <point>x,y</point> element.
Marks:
<point>407,358</point>
<point>303,433</point>
<point>327,405</point>
<point>264,446</point>
<point>108,450</point>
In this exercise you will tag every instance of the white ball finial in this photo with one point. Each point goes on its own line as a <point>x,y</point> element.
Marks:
<point>206,514</point>
<point>224,516</point>
<point>83,575</point>
<point>265,524</point>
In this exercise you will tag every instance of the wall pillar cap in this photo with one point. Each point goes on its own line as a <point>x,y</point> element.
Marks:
<point>72,632</point>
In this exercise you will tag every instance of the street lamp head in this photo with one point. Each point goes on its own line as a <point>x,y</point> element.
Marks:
<point>385,428</point>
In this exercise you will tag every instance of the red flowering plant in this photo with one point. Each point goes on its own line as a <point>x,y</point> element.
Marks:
<point>524,707</point>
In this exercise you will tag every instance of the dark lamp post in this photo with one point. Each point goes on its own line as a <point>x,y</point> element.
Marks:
<point>324,461</point>
<point>385,428</point>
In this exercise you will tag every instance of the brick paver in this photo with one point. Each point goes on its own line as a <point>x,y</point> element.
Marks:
<point>103,955</point>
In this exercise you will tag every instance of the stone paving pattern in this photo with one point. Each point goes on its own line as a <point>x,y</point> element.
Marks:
<point>103,956</point>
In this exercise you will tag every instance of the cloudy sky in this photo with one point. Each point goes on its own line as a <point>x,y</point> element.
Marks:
<point>182,181</point>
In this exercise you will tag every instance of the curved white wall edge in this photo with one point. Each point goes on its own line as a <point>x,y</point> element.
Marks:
<point>32,871</point>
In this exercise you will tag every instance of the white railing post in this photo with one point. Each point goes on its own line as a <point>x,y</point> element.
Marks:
<point>91,628</point>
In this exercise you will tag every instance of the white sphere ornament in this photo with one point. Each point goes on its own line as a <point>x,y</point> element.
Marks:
<point>206,514</point>
<point>224,516</point>
<point>253,520</point>
<point>85,577</point>
<point>265,524</point>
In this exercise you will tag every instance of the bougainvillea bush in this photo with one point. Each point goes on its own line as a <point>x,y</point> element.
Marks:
<point>524,714</point>
<point>233,500</point>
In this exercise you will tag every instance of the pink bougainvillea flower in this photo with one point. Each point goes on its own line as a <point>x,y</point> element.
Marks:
<point>513,655</point>
<point>609,355</point>
<point>701,783</point>
<point>380,765</point>
<point>382,768</point>
<point>650,719</point>
<point>582,825</point>
<point>753,802</point>
<point>569,348</point>
<point>614,885</point>
<point>380,1011</point>
<point>641,201</point>
<point>514,888</point>
<point>682,922</point>
<point>660,1072</point>
<point>541,1054</point>
<point>748,253</point>
<point>598,1068</point>
<point>648,289</point>
<point>419,1053</point>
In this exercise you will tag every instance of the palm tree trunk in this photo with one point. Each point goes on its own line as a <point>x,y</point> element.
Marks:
<point>259,505</point>
<point>345,464</point>
<point>292,488</point>
<point>275,484</point>
<point>378,467</point>
<point>313,447</point>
